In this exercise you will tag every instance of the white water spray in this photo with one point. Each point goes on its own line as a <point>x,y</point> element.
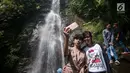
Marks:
<point>49,54</point>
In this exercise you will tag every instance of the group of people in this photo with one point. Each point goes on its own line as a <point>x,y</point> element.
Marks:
<point>113,37</point>
<point>92,58</point>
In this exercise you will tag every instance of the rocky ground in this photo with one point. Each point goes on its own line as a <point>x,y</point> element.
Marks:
<point>124,67</point>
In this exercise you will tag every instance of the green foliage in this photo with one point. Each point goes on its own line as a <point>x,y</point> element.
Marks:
<point>99,2</point>
<point>11,60</point>
<point>96,28</point>
<point>88,9</point>
<point>1,34</point>
<point>105,10</point>
<point>13,56</point>
<point>16,8</point>
<point>12,13</point>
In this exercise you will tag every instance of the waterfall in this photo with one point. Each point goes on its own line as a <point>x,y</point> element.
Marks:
<point>49,55</point>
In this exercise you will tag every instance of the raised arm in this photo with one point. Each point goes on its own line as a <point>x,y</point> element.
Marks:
<point>66,41</point>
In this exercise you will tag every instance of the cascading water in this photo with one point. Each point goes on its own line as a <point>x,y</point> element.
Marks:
<point>49,56</point>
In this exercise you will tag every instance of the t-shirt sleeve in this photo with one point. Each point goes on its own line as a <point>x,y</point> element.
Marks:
<point>100,49</point>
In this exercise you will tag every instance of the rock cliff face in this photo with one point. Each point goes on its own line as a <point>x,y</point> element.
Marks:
<point>28,38</point>
<point>28,41</point>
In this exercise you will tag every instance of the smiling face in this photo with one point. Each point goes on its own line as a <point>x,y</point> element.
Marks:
<point>87,38</point>
<point>77,40</point>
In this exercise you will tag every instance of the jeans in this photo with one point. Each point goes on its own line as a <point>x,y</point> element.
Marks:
<point>123,46</point>
<point>109,49</point>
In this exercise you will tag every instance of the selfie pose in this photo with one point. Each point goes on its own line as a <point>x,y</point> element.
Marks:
<point>76,60</point>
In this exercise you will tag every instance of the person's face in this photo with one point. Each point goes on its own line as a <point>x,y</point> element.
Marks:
<point>77,42</point>
<point>115,26</point>
<point>88,40</point>
<point>108,26</point>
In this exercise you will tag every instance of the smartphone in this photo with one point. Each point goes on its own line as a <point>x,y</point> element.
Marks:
<point>72,26</point>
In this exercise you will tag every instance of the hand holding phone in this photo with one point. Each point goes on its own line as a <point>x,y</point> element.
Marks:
<point>72,26</point>
<point>66,31</point>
